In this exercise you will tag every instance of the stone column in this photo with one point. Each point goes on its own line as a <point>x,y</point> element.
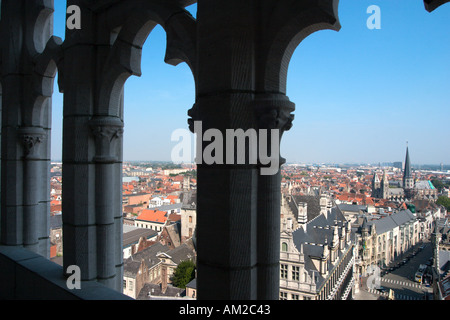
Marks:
<point>274,113</point>
<point>31,138</point>
<point>26,26</point>
<point>243,52</point>
<point>227,193</point>
<point>107,132</point>
<point>92,154</point>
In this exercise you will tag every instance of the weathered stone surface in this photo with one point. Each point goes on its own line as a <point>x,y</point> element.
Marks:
<point>239,53</point>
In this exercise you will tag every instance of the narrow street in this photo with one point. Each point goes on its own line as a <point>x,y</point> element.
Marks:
<point>400,279</point>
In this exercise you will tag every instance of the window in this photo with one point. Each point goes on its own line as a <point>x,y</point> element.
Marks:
<point>283,295</point>
<point>124,284</point>
<point>295,297</point>
<point>190,219</point>
<point>296,274</point>
<point>284,247</point>
<point>284,271</point>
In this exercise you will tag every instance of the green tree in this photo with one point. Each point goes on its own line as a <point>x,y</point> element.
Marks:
<point>444,201</point>
<point>184,273</point>
<point>437,184</point>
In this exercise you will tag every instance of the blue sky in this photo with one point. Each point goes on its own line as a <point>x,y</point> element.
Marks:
<point>360,94</point>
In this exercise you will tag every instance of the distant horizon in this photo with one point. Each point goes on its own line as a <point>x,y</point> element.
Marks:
<point>383,164</point>
<point>360,94</point>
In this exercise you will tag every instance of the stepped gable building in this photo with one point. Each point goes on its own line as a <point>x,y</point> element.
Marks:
<point>239,54</point>
<point>317,259</point>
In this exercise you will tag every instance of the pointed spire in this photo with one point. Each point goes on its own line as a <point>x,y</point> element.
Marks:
<point>407,171</point>
<point>408,181</point>
<point>385,178</point>
<point>375,179</point>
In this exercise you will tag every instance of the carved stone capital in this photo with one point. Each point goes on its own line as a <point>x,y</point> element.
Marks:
<point>273,111</point>
<point>194,115</point>
<point>107,131</point>
<point>31,137</point>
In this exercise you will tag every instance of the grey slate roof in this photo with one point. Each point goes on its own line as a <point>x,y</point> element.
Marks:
<point>148,255</point>
<point>388,223</point>
<point>319,231</point>
<point>56,221</point>
<point>351,207</point>
<point>444,261</point>
<point>131,235</point>
<point>313,202</point>
<point>168,207</point>
<point>182,252</point>
<point>192,284</point>
<point>131,268</point>
<point>155,291</point>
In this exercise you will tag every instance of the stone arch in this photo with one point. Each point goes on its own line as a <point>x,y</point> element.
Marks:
<point>298,21</point>
<point>124,59</point>
<point>47,64</point>
<point>45,54</point>
<point>431,5</point>
<point>43,25</point>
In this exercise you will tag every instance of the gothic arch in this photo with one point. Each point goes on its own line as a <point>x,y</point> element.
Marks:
<point>289,24</point>
<point>45,53</point>
<point>431,5</point>
<point>47,64</point>
<point>124,58</point>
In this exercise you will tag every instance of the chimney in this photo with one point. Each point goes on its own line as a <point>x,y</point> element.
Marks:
<point>302,213</point>
<point>163,279</point>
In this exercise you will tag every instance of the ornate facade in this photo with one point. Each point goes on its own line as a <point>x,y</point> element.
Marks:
<point>379,242</point>
<point>317,259</point>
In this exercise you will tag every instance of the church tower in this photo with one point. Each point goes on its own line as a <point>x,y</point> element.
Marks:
<point>408,180</point>
<point>385,186</point>
<point>376,185</point>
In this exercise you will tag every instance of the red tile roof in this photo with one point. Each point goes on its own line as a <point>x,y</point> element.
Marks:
<point>151,215</point>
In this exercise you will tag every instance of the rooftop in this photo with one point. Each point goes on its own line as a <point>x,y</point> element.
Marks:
<point>152,215</point>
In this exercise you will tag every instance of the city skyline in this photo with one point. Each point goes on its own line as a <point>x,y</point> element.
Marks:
<point>360,104</point>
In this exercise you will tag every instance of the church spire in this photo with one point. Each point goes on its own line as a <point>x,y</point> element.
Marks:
<point>408,181</point>
<point>407,171</point>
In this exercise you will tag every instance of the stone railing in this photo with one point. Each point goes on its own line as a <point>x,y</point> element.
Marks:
<point>29,276</point>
